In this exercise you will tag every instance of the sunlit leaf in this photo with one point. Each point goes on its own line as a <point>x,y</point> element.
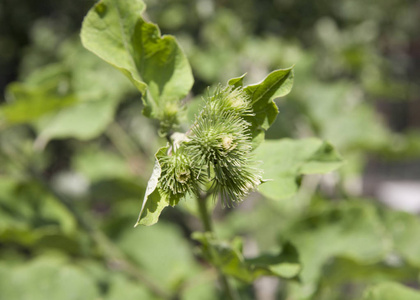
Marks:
<point>46,278</point>
<point>116,32</point>
<point>352,230</point>
<point>286,159</point>
<point>277,84</point>
<point>162,252</point>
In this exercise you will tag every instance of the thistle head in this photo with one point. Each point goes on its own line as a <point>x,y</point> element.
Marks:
<point>179,175</point>
<point>220,139</point>
<point>221,142</point>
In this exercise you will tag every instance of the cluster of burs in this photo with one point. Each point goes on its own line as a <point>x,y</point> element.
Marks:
<point>215,153</point>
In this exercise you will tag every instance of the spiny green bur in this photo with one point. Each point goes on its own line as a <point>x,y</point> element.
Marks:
<point>217,150</point>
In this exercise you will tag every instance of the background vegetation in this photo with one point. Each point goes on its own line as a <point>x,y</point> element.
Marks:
<point>76,152</point>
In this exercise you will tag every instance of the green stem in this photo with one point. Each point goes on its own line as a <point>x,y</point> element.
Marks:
<point>204,213</point>
<point>227,288</point>
<point>208,227</point>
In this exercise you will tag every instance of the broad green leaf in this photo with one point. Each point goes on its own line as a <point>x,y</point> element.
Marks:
<point>82,121</point>
<point>403,227</point>
<point>277,84</point>
<point>28,102</point>
<point>46,278</point>
<point>345,271</point>
<point>229,258</point>
<point>162,252</point>
<point>115,31</point>
<point>98,164</point>
<point>122,288</point>
<point>391,291</point>
<point>286,159</point>
<point>352,230</point>
<point>342,116</point>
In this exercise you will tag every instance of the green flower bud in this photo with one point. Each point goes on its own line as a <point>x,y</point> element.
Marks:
<point>229,99</point>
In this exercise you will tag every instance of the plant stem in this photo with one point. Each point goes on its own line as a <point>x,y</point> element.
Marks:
<point>227,288</point>
<point>204,213</point>
<point>207,224</point>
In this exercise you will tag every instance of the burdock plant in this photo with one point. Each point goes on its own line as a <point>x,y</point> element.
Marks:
<point>215,157</point>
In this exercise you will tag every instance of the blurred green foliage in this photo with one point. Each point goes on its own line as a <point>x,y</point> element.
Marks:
<point>76,153</point>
